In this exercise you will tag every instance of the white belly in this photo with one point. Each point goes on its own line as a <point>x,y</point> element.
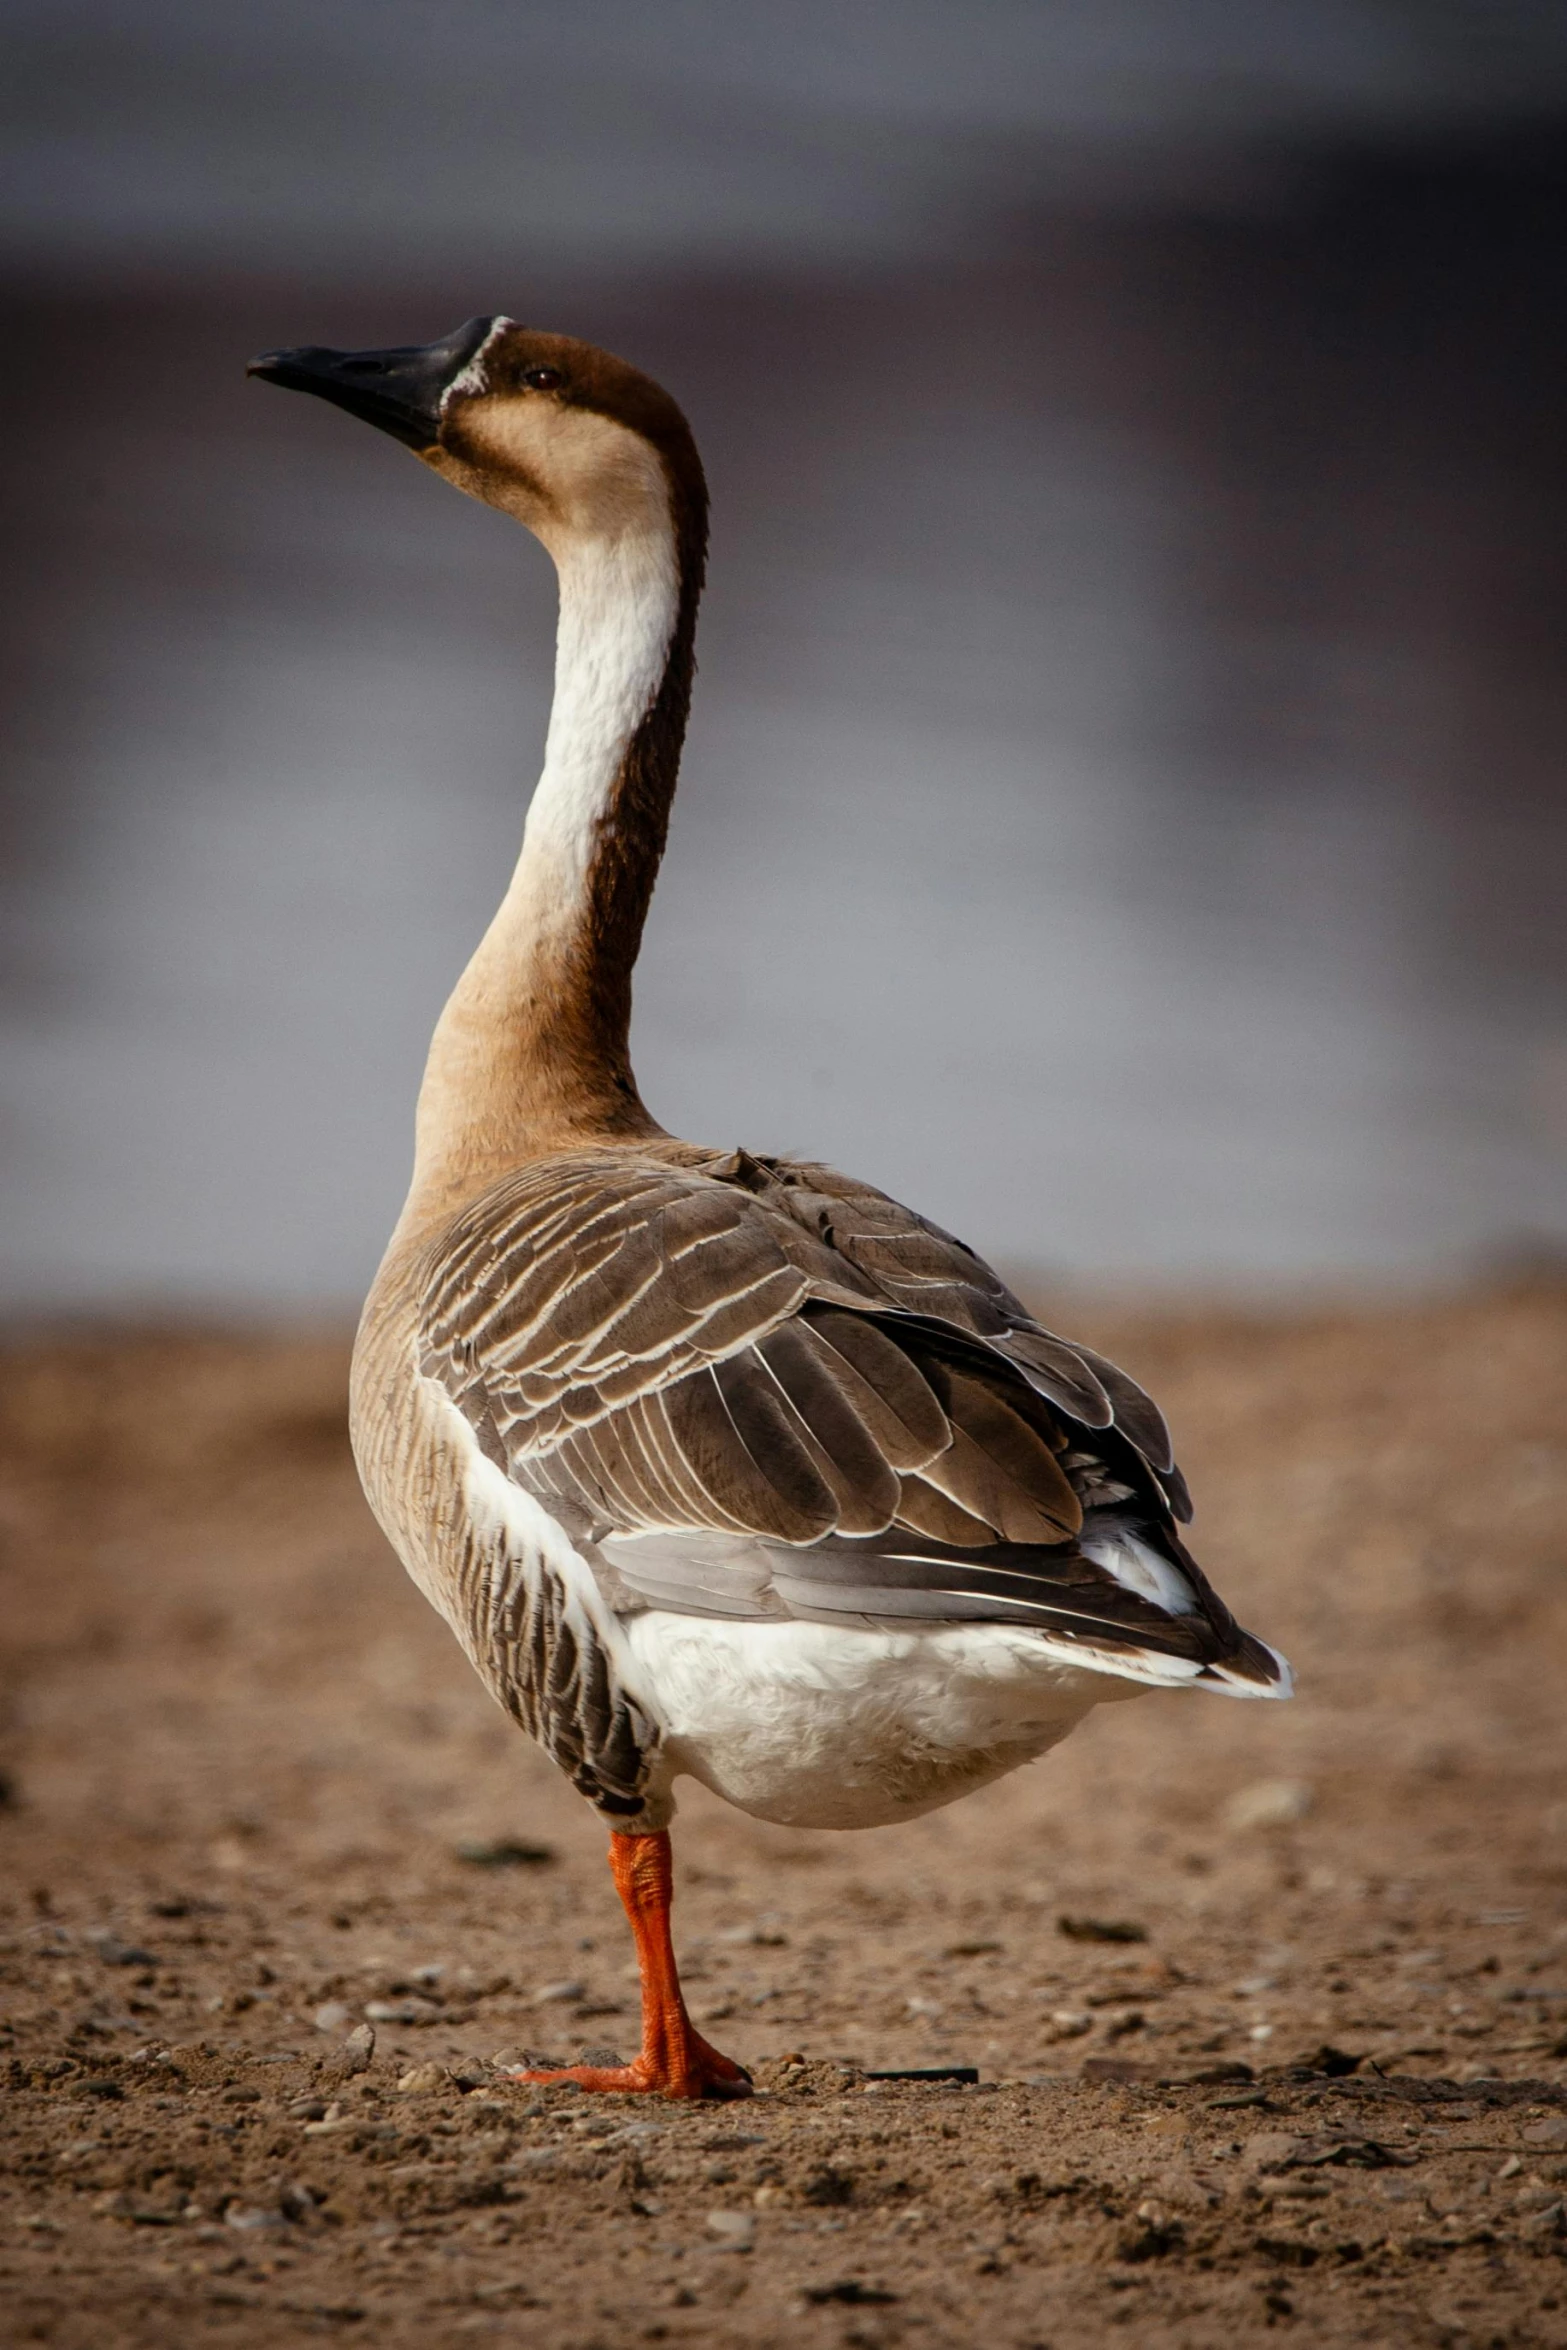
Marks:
<point>823,1726</point>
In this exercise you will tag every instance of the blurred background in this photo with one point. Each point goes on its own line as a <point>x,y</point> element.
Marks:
<point>1124,811</point>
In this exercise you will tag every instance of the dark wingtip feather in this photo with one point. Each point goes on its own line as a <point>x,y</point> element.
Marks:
<point>1060,1372</point>
<point>1177,1493</point>
<point>1136,1413</point>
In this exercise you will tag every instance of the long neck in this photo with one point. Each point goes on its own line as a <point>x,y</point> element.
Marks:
<point>532,1051</point>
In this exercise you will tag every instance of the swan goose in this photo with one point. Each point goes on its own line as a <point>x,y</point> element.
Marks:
<point>715,1464</point>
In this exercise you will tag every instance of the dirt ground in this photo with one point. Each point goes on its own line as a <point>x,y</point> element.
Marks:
<point>1268,2003</point>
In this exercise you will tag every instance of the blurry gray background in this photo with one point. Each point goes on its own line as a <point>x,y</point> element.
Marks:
<point>1124,812</point>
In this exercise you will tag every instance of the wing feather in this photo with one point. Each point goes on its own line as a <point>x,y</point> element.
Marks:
<point>761,1387</point>
<point>1060,1373</point>
<point>998,1466</point>
<point>863,1481</point>
<point>766,1428</point>
<point>685,1500</point>
<point>895,1401</point>
<point>925,1509</point>
<point>1136,1413</point>
<point>751,1494</point>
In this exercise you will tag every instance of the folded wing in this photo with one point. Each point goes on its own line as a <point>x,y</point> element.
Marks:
<point>750,1387</point>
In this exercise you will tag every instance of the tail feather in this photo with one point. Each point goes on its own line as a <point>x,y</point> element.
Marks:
<point>1252,1670</point>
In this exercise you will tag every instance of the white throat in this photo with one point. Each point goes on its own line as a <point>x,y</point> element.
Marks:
<point>619,600</point>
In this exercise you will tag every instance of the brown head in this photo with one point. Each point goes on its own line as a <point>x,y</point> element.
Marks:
<point>598,462</point>
<point>569,439</point>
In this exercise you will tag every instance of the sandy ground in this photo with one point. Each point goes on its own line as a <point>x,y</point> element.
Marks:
<point>1318,2088</point>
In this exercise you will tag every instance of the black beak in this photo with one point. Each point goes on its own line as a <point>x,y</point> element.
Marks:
<point>401,390</point>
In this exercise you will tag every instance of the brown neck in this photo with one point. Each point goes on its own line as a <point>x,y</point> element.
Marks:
<point>532,1053</point>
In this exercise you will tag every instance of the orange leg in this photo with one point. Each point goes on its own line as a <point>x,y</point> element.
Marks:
<point>675,2061</point>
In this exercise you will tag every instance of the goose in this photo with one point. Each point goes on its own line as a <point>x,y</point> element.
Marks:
<point>717,1464</point>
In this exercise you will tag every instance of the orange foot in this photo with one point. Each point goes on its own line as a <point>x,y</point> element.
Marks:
<point>696,2071</point>
<point>675,2061</point>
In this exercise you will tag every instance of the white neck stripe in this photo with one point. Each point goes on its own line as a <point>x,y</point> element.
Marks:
<point>474,379</point>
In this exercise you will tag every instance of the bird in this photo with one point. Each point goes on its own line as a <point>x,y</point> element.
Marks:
<point>719,1464</point>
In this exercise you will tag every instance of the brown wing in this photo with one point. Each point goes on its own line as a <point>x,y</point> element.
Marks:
<point>731,1348</point>
<point>914,1264</point>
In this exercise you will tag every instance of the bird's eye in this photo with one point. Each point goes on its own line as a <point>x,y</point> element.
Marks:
<point>543,379</point>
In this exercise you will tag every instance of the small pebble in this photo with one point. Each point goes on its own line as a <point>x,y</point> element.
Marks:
<point>735,2230</point>
<point>333,2120</point>
<point>252,2215</point>
<point>422,2080</point>
<point>548,1993</point>
<point>333,2016</point>
<point>504,1852</point>
<point>359,2048</point>
<point>1267,1803</point>
<point>1101,1930</point>
<point>114,1952</point>
<point>402,2011</point>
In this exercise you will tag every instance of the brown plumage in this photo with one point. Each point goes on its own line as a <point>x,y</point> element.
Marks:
<point>657,1341</point>
<point>714,1463</point>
